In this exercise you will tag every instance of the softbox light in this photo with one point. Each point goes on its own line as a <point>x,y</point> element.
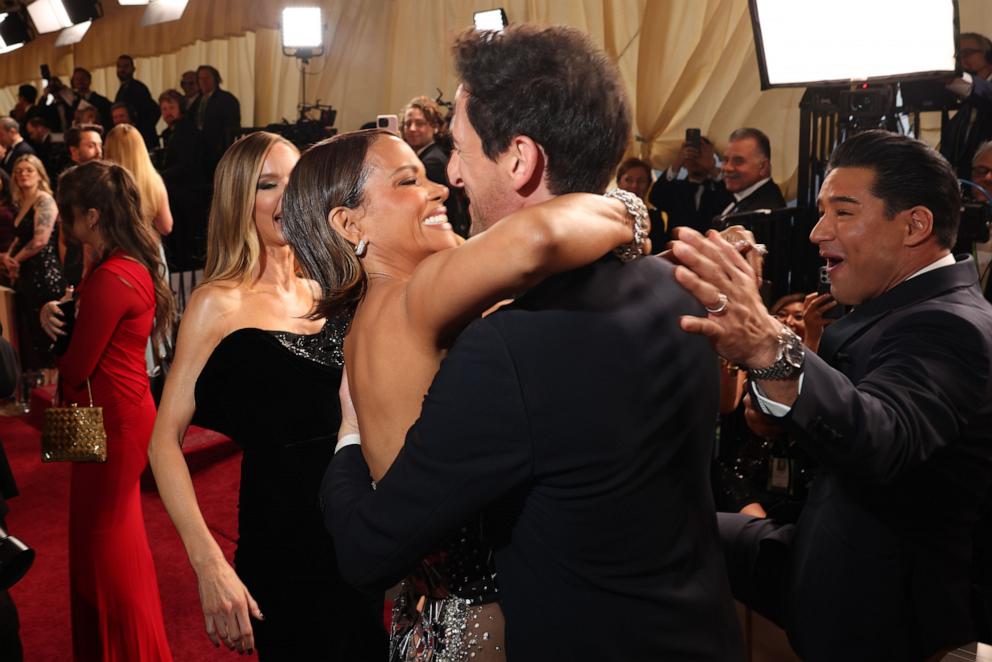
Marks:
<point>52,15</point>
<point>302,30</point>
<point>490,20</point>
<point>810,42</point>
<point>13,32</point>
<point>74,34</point>
<point>163,11</point>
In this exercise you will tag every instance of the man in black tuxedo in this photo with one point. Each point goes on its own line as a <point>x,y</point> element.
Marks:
<point>578,420</point>
<point>181,167</point>
<point>972,123</point>
<point>896,407</point>
<point>216,113</point>
<point>13,142</point>
<point>747,173</point>
<point>135,95</point>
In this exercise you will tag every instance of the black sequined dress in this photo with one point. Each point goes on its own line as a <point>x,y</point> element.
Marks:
<point>39,281</point>
<point>275,394</point>
<point>447,609</point>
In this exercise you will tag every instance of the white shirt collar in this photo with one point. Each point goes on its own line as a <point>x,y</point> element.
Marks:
<point>424,148</point>
<point>740,195</point>
<point>945,261</point>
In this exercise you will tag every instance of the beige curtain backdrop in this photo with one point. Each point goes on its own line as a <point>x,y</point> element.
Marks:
<point>686,63</point>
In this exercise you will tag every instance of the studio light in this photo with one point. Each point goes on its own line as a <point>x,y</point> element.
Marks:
<point>163,11</point>
<point>302,31</point>
<point>809,42</point>
<point>13,32</point>
<point>130,3</point>
<point>52,15</point>
<point>74,34</point>
<point>491,20</point>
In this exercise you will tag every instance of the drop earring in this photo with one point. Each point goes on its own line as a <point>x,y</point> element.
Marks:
<point>361,248</point>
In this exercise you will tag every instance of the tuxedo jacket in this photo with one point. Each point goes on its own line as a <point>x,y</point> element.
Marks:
<point>677,198</point>
<point>579,422</point>
<point>136,95</point>
<point>222,118</point>
<point>767,196</point>
<point>19,150</point>
<point>897,409</point>
<point>102,105</point>
<point>958,142</point>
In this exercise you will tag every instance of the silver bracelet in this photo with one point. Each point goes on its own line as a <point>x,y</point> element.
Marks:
<point>639,217</point>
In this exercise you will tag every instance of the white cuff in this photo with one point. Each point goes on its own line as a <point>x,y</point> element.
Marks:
<point>962,86</point>
<point>352,439</point>
<point>772,408</point>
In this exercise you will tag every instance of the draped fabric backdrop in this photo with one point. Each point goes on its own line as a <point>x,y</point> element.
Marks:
<point>686,63</point>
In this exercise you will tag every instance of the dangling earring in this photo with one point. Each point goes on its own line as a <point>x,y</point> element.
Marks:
<point>361,248</point>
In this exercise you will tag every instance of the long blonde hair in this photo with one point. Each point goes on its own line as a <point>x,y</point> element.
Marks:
<point>125,146</point>
<point>232,240</point>
<point>16,194</point>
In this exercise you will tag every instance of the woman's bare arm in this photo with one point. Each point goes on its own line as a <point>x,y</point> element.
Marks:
<point>226,602</point>
<point>450,288</point>
<point>163,220</point>
<point>45,214</point>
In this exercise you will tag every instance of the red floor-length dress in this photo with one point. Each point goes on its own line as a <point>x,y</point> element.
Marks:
<point>116,610</point>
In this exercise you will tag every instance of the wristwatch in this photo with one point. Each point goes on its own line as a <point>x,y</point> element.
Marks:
<point>788,362</point>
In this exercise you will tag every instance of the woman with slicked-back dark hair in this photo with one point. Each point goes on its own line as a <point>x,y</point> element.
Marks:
<point>250,364</point>
<point>369,227</point>
<point>116,612</point>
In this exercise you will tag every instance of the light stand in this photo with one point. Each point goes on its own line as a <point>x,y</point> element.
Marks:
<point>303,38</point>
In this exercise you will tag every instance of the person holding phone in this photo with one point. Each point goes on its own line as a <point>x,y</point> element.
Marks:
<point>693,199</point>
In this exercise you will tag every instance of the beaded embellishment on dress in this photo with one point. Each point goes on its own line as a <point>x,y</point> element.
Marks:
<point>446,611</point>
<point>325,347</point>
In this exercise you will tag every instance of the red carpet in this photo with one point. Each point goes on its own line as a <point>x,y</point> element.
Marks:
<point>39,517</point>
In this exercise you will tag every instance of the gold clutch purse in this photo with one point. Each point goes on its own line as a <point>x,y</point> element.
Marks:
<point>74,433</point>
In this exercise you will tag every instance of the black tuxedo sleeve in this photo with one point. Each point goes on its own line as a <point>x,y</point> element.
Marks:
<point>470,446</point>
<point>920,387</point>
<point>981,93</point>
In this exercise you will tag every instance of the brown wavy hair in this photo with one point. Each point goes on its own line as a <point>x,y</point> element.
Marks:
<point>332,173</point>
<point>110,190</point>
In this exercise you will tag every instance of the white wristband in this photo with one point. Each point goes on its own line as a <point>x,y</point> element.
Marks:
<point>352,439</point>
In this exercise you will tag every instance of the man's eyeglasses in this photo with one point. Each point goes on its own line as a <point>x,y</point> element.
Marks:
<point>965,52</point>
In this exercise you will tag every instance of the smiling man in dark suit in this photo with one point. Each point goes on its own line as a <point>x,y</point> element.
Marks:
<point>896,407</point>
<point>578,420</point>
<point>747,173</point>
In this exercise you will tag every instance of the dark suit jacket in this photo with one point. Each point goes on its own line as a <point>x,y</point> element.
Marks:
<point>957,143</point>
<point>221,120</point>
<point>897,409</point>
<point>19,150</point>
<point>677,198</point>
<point>136,95</point>
<point>767,196</point>
<point>102,105</point>
<point>436,165</point>
<point>580,421</point>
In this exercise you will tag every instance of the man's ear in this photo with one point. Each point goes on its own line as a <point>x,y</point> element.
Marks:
<point>524,162</point>
<point>919,225</point>
<point>344,221</point>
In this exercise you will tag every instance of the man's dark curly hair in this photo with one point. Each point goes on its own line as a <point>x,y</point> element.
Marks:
<point>554,86</point>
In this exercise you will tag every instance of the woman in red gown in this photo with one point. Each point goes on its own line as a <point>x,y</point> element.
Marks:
<point>116,611</point>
